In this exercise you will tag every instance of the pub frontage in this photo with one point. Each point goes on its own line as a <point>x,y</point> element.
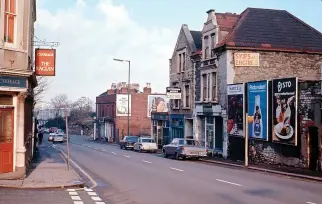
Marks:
<point>160,128</point>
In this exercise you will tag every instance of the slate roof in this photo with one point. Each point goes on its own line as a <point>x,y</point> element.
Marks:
<point>197,38</point>
<point>268,29</point>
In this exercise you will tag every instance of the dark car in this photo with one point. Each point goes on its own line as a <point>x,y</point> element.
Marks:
<point>128,142</point>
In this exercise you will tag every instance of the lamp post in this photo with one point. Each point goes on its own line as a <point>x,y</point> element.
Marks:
<point>94,134</point>
<point>128,93</point>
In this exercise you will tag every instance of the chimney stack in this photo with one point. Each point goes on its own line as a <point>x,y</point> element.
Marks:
<point>147,89</point>
<point>211,14</point>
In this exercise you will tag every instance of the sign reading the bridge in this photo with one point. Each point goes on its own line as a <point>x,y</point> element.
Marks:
<point>45,62</point>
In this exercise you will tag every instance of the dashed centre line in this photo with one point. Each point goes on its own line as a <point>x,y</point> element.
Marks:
<point>310,202</point>
<point>236,184</point>
<point>127,156</point>
<point>113,152</point>
<point>147,161</point>
<point>176,169</point>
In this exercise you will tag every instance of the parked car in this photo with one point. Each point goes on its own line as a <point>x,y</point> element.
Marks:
<point>51,136</point>
<point>58,138</point>
<point>128,142</point>
<point>145,144</point>
<point>182,148</point>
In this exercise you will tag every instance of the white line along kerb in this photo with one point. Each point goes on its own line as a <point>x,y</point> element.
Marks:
<point>176,169</point>
<point>236,184</point>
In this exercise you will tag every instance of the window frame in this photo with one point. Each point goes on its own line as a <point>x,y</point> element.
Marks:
<point>214,91</point>
<point>204,86</point>
<point>15,27</point>
<point>187,100</point>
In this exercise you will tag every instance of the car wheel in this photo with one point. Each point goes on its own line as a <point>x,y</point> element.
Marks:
<point>165,154</point>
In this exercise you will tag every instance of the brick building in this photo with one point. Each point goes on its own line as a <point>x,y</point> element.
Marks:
<point>277,45</point>
<point>112,115</point>
<point>182,76</point>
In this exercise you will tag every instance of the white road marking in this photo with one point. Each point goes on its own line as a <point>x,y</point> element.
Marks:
<point>103,150</point>
<point>310,202</point>
<point>127,156</point>
<point>92,193</point>
<point>99,203</point>
<point>71,189</point>
<point>75,198</point>
<point>176,169</point>
<point>96,198</point>
<point>236,184</point>
<point>113,153</point>
<point>78,202</point>
<point>88,190</point>
<point>73,193</point>
<point>146,161</point>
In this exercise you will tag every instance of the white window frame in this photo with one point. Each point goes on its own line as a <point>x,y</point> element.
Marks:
<point>208,96</point>
<point>14,44</point>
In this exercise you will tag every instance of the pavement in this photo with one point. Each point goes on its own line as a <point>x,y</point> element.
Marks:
<point>123,176</point>
<point>49,170</point>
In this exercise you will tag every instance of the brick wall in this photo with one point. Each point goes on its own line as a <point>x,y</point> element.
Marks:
<point>140,123</point>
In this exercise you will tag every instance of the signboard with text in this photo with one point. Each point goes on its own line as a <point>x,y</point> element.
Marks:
<point>173,93</point>
<point>246,59</point>
<point>13,82</point>
<point>45,61</point>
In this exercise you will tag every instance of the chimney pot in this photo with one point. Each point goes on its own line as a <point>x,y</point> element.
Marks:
<point>210,11</point>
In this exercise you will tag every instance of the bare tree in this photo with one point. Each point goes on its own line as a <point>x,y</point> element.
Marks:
<point>43,85</point>
<point>81,111</point>
<point>59,103</point>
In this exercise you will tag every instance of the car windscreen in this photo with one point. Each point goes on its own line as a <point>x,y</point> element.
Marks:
<point>131,139</point>
<point>148,140</point>
<point>189,142</point>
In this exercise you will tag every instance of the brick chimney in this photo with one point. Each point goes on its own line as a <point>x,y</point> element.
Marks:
<point>112,90</point>
<point>147,89</point>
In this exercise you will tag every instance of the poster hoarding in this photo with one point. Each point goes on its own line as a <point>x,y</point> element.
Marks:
<point>158,103</point>
<point>284,114</point>
<point>45,62</point>
<point>122,105</point>
<point>236,109</point>
<point>257,100</point>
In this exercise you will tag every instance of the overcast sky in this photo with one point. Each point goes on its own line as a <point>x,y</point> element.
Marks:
<point>93,32</point>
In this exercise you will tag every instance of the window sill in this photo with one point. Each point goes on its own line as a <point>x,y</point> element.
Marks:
<point>186,108</point>
<point>12,47</point>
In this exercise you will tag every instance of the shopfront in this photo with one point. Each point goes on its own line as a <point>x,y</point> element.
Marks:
<point>160,128</point>
<point>15,135</point>
<point>177,126</point>
<point>210,127</point>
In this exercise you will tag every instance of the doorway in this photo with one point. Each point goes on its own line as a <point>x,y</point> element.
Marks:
<point>6,140</point>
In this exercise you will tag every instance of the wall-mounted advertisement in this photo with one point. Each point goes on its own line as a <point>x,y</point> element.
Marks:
<point>257,98</point>
<point>158,103</point>
<point>235,124</point>
<point>285,110</point>
<point>122,105</point>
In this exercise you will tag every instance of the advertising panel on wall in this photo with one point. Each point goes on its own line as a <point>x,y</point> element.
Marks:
<point>257,100</point>
<point>45,62</point>
<point>122,105</point>
<point>158,103</point>
<point>284,114</point>
<point>236,104</point>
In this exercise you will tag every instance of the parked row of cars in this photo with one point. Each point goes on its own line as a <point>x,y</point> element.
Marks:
<point>180,148</point>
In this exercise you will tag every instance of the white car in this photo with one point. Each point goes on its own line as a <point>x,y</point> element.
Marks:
<point>145,144</point>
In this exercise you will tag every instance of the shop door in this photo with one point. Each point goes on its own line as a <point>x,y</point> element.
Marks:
<point>6,140</point>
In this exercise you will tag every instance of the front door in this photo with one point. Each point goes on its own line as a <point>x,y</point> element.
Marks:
<point>6,140</point>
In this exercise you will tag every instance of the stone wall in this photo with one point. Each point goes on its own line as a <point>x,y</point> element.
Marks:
<point>279,65</point>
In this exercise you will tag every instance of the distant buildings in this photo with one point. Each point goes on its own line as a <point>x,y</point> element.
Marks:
<point>44,113</point>
<point>112,111</point>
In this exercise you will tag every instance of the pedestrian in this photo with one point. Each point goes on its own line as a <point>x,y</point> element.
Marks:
<point>40,137</point>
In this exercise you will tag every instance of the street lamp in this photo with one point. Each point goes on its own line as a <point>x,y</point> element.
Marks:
<point>128,93</point>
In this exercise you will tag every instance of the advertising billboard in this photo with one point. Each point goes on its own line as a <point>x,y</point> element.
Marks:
<point>257,98</point>
<point>235,126</point>
<point>285,110</point>
<point>158,103</point>
<point>45,62</point>
<point>122,105</point>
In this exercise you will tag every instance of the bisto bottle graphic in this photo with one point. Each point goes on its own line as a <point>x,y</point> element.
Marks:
<point>257,123</point>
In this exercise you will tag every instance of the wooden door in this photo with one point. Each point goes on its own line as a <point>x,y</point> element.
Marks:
<point>6,140</point>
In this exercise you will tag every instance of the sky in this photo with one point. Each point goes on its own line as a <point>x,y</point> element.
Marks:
<point>93,32</point>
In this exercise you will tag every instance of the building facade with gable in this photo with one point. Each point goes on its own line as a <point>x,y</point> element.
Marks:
<point>256,49</point>
<point>182,76</point>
